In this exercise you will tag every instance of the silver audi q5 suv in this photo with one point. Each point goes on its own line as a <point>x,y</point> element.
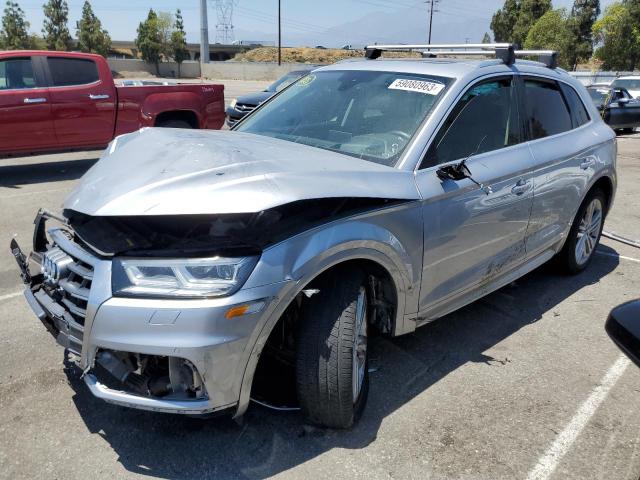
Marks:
<point>187,267</point>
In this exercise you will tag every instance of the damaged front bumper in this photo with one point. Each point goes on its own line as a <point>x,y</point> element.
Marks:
<point>166,355</point>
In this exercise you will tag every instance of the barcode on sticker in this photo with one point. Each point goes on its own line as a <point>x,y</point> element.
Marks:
<point>421,86</point>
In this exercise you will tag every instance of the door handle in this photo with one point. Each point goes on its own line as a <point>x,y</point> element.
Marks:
<point>35,100</point>
<point>521,187</point>
<point>98,97</point>
<point>587,163</point>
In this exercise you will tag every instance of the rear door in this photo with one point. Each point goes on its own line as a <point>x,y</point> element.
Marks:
<point>474,235</point>
<point>82,100</point>
<point>562,146</point>
<point>25,107</point>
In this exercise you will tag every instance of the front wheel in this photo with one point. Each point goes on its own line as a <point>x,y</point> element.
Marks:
<point>332,361</point>
<point>584,235</point>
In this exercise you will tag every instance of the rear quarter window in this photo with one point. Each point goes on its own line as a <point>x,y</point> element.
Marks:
<point>72,71</point>
<point>579,114</point>
<point>546,110</point>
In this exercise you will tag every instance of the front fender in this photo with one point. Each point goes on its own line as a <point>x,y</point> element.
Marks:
<point>299,260</point>
<point>158,103</point>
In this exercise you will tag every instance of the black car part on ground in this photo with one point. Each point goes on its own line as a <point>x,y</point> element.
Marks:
<point>623,326</point>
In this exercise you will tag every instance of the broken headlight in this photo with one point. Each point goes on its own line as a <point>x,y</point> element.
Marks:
<point>188,278</point>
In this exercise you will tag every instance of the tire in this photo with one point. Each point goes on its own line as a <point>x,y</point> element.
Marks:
<point>576,254</point>
<point>331,354</point>
<point>174,123</point>
<point>628,131</point>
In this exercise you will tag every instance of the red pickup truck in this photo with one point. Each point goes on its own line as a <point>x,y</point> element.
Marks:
<point>52,101</point>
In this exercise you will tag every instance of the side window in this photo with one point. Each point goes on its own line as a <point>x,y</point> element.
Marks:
<point>72,71</point>
<point>547,112</point>
<point>485,119</point>
<point>579,113</point>
<point>16,73</point>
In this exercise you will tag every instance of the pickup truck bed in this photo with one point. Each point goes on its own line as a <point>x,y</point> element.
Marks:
<point>52,101</point>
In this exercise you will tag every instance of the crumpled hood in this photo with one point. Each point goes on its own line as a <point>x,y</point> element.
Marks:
<point>159,171</point>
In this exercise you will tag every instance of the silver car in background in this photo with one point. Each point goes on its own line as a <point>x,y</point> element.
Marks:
<point>377,195</point>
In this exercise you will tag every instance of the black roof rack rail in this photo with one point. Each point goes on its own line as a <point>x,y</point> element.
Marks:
<point>502,51</point>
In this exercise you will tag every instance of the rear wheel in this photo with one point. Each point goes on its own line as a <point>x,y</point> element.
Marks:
<point>332,362</point>
<point>585,233</point>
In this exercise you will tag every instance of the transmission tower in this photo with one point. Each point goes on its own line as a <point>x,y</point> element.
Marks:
<point>224,24</point>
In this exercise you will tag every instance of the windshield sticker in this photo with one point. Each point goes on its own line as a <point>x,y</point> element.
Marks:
<point>420,86</point>
<point>303,82</point>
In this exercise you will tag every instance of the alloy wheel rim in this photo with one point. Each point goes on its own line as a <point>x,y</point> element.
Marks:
<point>359,344</point>
<point>588,231</point>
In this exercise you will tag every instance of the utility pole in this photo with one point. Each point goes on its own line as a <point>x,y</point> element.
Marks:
<point>204,33</point>
<point>431,12</point>
<point>279,33</point>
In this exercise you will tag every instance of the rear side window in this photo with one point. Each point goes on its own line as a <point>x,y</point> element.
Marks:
<point>579,114</point>
<point>485,119</point>
<point>72,71</point>
<point>546,110</point>
<point>16,73</point>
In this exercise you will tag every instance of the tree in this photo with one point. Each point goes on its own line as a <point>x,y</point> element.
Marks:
<point>530,12</point>
<point>55,30</point>
<point>165,27</point>
<point>149,41</point>
<point>92,38</point>
<point>634,10</point>
<point>179,50</point>
<point>486,38</point>
<point>15,29</point>
<point>504,20</point>
<point>552,32</point>
<point>583,16</point>
<point>619,38</point>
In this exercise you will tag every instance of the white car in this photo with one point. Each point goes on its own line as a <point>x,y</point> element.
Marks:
<point>630,83</point>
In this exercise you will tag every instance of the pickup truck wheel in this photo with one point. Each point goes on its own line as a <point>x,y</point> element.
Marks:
<point>584,235</point>
<point>174,124</point>
<point>332,362</point>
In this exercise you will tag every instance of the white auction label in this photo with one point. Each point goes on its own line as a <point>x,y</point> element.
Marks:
<point>420,86</point>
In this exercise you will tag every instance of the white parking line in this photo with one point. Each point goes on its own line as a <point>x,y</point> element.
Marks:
<point>615,255</point>
<point>9,295</point>
<point>563,442</point>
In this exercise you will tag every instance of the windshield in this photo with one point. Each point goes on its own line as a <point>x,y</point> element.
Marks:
<point>368,115</point>
<point>598,95</point>
<point>284,82</point>
<point>630,84</point>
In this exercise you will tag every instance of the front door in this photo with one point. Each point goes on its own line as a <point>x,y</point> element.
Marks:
<point>25,108</point>
<point>473,234</point>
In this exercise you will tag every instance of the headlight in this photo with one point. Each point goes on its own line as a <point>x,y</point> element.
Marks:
<point>188,278</point>
<point>233,103</point>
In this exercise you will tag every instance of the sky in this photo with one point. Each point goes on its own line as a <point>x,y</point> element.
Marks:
<point>331,23</point>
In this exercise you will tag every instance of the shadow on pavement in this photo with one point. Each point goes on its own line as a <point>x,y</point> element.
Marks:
<point>266,443</point>
<point>14,176</point>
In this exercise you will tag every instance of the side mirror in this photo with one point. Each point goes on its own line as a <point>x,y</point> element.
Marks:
<point>623,326</point>
<point>623,102</point>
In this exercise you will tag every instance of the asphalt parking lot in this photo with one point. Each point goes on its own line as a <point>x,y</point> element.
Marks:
<point>521,384</point>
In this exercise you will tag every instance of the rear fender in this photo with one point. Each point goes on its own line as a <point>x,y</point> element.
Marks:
<point>158,103</point>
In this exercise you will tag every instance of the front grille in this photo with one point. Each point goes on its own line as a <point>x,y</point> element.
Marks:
<point>67,276</point>
<point>245,107</point>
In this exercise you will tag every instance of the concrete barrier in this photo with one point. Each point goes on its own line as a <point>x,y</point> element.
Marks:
<point>188,69</point>
<point>588,78</point>
<point>248,70</point>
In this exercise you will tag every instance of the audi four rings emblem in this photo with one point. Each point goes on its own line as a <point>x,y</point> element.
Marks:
<point>55,265</point>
